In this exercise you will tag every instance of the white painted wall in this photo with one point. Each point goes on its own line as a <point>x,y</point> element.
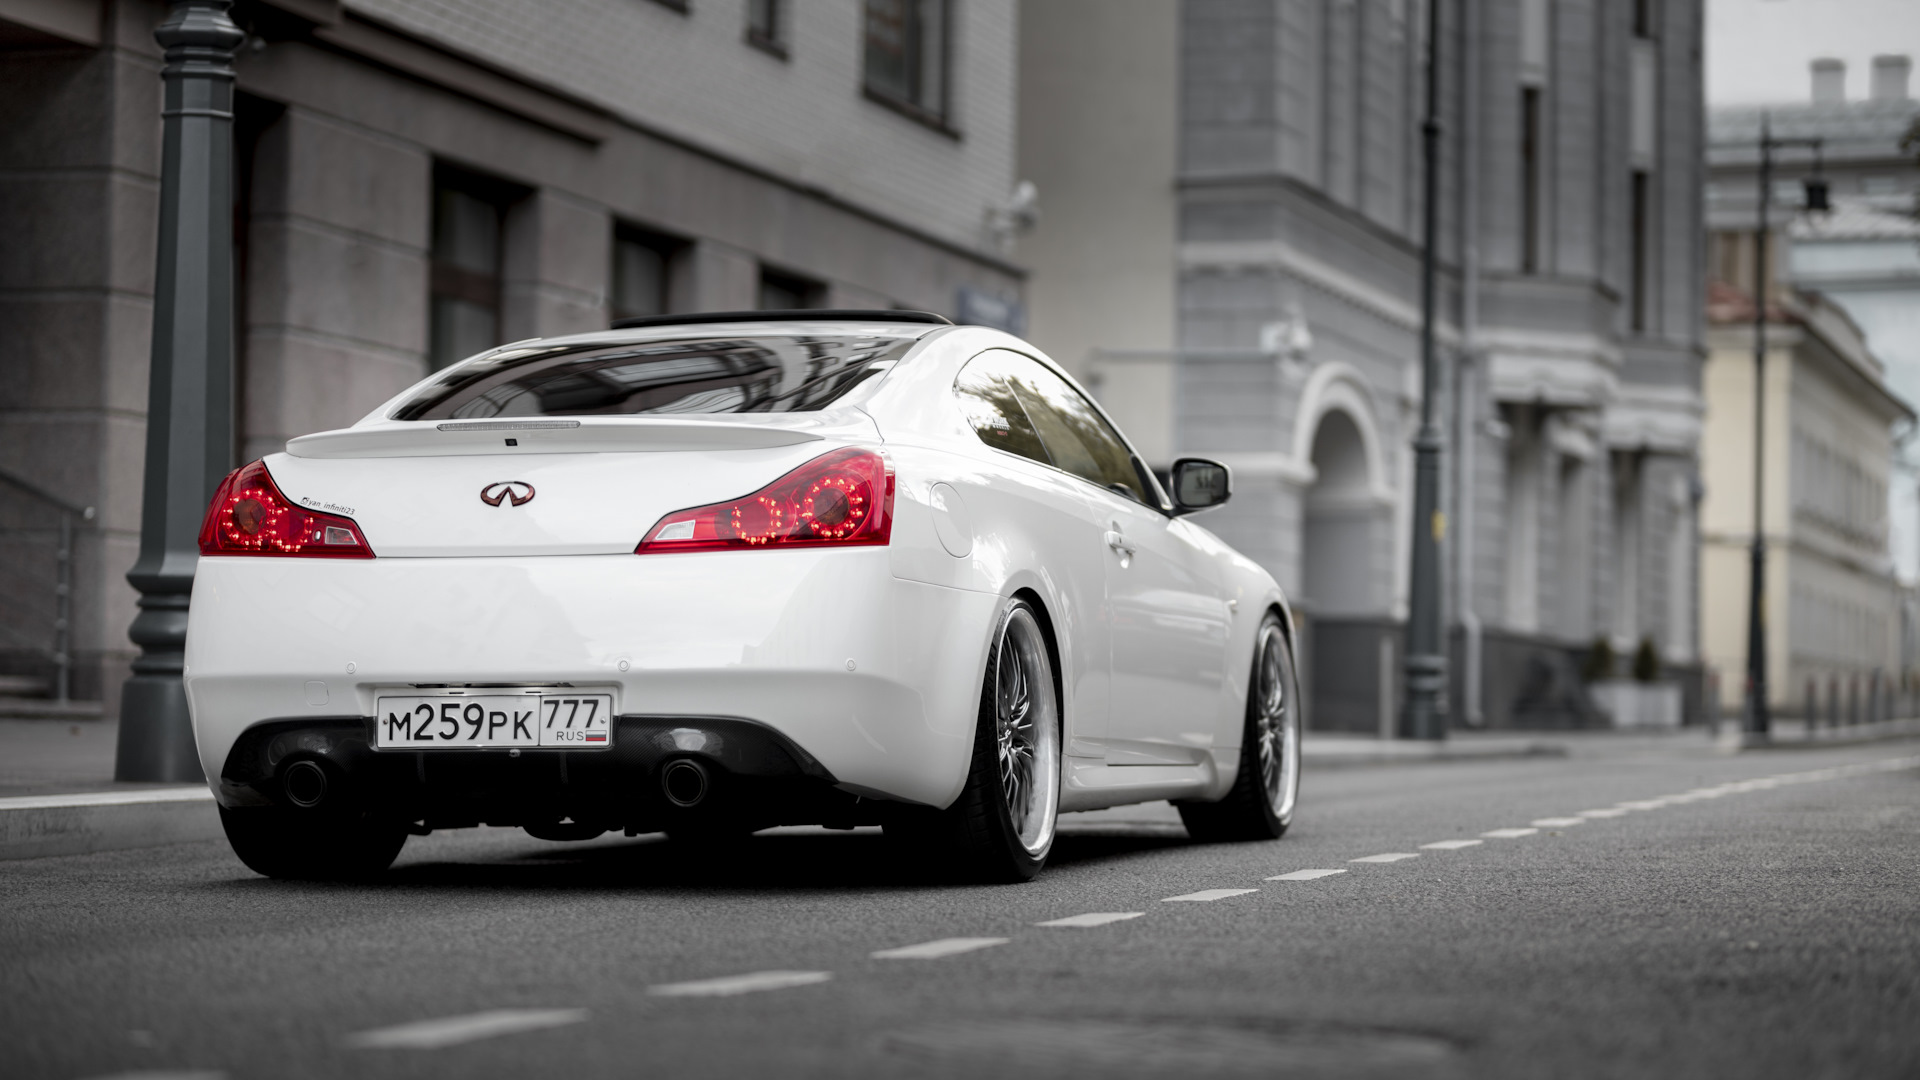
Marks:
<point>694,76</point>
<point>1098,131</point>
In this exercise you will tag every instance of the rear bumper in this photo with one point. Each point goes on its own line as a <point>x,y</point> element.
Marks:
<point>874,678</point>
<point>758,777</point>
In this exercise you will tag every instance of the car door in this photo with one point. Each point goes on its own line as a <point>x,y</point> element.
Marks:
<point>1165,607</point>
<point>1046,526</point>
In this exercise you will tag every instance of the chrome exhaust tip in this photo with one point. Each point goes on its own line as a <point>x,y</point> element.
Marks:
<point>685,782</point>
<point>305,783</point>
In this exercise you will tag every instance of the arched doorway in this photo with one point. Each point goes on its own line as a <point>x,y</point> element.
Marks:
<point>1345,583</point>
<point>1337,573</point>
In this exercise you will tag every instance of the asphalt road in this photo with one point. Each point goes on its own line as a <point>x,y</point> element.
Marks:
<point>1768,929</point>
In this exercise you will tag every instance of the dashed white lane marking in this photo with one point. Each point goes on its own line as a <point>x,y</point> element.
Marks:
<point>1305,875</point>
<point>1508,834</point>
<point>1093,918</point>
<point>454,1030</point>
<point>1603,813</point>
<point>1559,822</point>
<point>1391,856</point>
<point>729,985</point>
<point>1450,845</point>
<point>1643,804</point>
<point>165,1074</point>
<point>1205,895</point>
<point>934,950</point>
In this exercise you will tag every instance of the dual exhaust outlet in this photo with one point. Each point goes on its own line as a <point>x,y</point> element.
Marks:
<point>305,783</point>
<point>684,781</point>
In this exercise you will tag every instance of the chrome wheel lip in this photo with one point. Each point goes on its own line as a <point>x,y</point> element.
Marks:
<point>1276,722</point>
<point>1026,733</point>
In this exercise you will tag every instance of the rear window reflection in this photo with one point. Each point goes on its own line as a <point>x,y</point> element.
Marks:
<point>708,375</point>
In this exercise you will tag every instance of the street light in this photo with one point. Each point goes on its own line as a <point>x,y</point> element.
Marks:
<point>189,399</point>
<point>1759,722</point>
<point>1426,663</point>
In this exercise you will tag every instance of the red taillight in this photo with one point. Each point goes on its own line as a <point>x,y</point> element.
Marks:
<point>249,516</point>
<point>838,499</point>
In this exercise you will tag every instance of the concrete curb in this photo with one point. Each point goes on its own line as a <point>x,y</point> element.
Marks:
<point>1337,753</point>
<point>1852,735</point>
<point>37,826</point>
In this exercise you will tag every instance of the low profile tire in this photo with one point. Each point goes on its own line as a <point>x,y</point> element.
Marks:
<point>710,837</point>
<point>282,843</point>
<point>1260,804</point>
<point>1001,827</point>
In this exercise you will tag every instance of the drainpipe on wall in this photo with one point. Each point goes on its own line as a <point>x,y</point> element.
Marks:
<point>1466,383</point>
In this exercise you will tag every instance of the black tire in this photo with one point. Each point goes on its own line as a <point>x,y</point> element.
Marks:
<point>709,838</point>
<point>1265,790</point>
<point>1015,763</point>
<point>284,843</point>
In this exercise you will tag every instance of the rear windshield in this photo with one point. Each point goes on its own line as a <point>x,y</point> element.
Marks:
<point>706,375</point>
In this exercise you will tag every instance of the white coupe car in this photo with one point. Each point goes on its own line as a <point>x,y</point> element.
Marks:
<point>709,574</point>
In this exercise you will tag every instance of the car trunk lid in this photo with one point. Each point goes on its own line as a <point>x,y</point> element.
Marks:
<point>424,490</point>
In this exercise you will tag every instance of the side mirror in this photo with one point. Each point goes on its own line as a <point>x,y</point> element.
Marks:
<point>1199,484</point>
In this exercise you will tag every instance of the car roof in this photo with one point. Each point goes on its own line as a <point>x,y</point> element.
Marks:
<point>789,315</point>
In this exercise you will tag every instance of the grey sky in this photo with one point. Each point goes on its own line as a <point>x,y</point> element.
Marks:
<point>1758,50</point>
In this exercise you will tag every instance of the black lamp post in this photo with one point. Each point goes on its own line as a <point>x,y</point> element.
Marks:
<point>189,401</point>
<point>1424,716</point>
<point>1759,721</point>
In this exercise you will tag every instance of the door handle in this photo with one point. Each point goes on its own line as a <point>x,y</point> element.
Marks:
<point>1118,542</point>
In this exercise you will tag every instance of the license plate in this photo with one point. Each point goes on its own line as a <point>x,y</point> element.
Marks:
<point>484,720</point>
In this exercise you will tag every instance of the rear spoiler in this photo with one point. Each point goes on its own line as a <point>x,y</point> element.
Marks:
<point>455,438</point>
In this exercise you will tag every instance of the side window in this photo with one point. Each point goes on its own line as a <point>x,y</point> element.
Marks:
<point>997,417</point>
<point>1077,438</point>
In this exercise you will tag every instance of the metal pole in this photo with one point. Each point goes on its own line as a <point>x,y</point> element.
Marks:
<point>1758,722</point>
<point>189,406</point>
<point>1426,659</point>
<point>1466,394</point>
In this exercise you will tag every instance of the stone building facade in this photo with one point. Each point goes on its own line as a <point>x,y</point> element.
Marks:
<point>419,180</point>
<point>1572,273</point>
<point>1847,280</point>
<point>1833,608</point>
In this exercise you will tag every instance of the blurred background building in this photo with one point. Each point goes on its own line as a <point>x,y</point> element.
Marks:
<point>417,181</point>
<point>1230,256</point>
<point>1224,245</point>
<point>1833,602</point>
<point>1841,508</point>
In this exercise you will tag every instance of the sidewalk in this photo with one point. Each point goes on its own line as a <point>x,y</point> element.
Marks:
<point>58,795</point>
<point>1331,750</point>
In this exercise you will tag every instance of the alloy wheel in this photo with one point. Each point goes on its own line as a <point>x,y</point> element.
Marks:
<point>1277,724</point>
<point>1027,733</point>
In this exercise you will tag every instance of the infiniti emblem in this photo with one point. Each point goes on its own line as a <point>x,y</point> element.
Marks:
<point>509,490</point>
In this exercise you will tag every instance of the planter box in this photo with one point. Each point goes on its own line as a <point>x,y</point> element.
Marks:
<point>1631,704</point>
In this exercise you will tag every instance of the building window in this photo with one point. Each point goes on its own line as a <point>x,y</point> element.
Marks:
<point>767,26</point>
<point>1530,147</point>
<point>1637,246</point>
<point>642,272</point>
<point>677,5</point>
<point>906,56</point>
<point>1643,18</point>
<point>468,212</point>
<point>784,292</point>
